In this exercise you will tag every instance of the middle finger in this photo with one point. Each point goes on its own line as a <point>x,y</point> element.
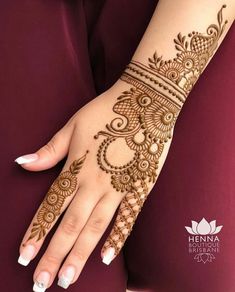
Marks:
<point>66,234</point>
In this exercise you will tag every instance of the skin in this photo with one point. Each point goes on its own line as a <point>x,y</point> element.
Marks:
<point>90,208</point>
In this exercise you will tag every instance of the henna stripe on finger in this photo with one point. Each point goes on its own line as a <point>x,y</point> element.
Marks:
<point>147,114</point>
<point>64,186</point>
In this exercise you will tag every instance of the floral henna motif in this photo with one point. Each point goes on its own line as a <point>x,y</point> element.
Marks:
<point>193,54</point>
<point>147,115</point>
<point>146,124</point>
<point>64,186</point>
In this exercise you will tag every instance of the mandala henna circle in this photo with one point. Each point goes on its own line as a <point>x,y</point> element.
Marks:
<point>65,184</point>
<point>147,114</point>
<point>53,201</point>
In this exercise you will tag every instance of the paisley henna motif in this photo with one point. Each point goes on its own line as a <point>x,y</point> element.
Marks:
<point>146,117</point>
<point>65,185</point>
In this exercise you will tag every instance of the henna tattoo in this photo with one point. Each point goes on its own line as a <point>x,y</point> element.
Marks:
<point>193,54</point>
<point>175,78</point>
<point>64,186</point>
<point>147,115</point>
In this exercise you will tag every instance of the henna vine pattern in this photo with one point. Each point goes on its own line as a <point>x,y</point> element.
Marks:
<point>64,186</point>
<point>147,115</point>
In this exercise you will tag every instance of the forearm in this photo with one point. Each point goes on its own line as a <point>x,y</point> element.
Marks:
<point>182,31</point>
<point>179,42</point>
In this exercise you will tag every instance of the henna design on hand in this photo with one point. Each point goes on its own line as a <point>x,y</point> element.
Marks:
<point>65,185</point>
<point>147,115</point>
<point>194,53</point>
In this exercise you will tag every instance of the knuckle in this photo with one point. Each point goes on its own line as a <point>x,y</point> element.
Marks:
<point>96,224</point>
<point>70,225</point>
<point>51,259</point>
<point>79,255</point>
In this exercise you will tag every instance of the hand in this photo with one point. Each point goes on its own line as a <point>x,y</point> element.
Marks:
<point>113,159</point>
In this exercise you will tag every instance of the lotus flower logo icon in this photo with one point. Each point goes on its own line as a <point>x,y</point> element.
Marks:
<point>203,227</point>
<point>203,241</point>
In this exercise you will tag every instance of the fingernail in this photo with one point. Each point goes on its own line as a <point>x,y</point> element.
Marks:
<point>108,255</point>
<point>26,158</point>
<point>41,282</point>
<point>26,255</point>
<point>66,277</point>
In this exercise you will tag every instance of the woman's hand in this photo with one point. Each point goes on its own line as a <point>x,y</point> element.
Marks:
<point>116,146</point>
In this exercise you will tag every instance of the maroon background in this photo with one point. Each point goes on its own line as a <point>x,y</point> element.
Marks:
<point>56,56</point>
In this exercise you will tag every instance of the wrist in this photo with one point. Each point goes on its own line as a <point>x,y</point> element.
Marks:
<point>153,99</point>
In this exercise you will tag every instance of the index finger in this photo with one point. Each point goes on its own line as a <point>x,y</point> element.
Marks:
<point>55,202</point>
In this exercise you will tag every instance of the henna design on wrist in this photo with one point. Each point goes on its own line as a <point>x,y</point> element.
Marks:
<point>147,115</point>
<point>175,78</point>
<point>64,185</point>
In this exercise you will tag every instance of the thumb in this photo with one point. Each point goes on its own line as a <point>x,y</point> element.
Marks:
<point>51,153</point>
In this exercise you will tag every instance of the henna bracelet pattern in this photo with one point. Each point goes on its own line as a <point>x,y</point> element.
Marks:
<point>147,115</point>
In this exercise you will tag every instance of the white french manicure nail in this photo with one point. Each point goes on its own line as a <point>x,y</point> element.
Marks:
<point>26,158</point>
<point>26,255</point>
<point>108,255</point>
<point>42,281</point>
<point>66,277</point>
<point>38,287</point>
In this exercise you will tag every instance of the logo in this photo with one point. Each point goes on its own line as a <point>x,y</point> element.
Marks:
<point>203,241</point>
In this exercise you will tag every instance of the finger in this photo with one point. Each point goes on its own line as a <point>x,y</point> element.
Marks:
<point>67,233</point>
<point>51,153</point>
<point>127,214</point>
<point>55,202</point>
<point>88,238</point>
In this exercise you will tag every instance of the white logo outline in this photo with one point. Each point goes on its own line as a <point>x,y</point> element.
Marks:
<point>203,227</point>
<point>202,236</point>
